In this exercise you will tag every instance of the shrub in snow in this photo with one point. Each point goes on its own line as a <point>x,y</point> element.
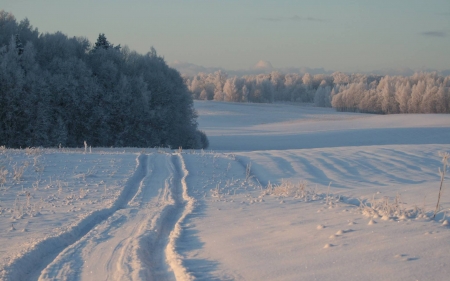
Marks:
<point>290,189</point>
<point>445,156</point>
<point>3,174</point>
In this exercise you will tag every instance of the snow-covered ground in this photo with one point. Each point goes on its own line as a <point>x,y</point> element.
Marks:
<point>285,192</point>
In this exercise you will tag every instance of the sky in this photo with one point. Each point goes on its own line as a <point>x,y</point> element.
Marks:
<point>339,35</point>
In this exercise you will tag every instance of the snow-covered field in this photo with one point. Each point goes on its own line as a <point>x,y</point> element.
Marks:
<point>285,192</point>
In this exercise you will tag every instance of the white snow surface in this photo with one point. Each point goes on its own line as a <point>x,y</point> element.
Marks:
<point>285,192</point>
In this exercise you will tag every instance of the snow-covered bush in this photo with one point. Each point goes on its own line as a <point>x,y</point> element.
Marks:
<point>290,189</point>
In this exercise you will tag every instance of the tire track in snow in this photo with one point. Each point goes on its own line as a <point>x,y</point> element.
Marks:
<point>137,242</point>
<point>185,205</point>
<point>29,265</point>
<point>142,256</point>
<point>130,244</point>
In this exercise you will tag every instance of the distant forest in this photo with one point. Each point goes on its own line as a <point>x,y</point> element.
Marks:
<point>56,90</point>
<point>419,93</point>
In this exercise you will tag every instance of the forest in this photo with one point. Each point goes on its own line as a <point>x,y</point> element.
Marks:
<point>419,93</point>
<point>61,91</point>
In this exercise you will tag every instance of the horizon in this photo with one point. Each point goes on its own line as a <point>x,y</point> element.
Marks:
<point>231,35</point>
<point>190,69</point>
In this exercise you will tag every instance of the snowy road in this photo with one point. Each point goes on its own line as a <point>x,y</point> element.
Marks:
<point>135,240</point>
<point>131,243</point>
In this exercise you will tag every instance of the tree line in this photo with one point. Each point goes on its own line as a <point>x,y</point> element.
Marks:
<point>419,93</point>
<point>56,90</point>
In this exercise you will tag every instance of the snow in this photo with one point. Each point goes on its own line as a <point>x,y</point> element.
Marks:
<point>244,127</point>
<point>285,192</point>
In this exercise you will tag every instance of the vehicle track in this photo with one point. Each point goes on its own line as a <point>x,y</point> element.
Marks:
<point>138,241</point>
<point>29,266</point>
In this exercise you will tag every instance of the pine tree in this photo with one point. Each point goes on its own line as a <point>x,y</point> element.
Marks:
<point>102,42</point>
<point>19,45</point>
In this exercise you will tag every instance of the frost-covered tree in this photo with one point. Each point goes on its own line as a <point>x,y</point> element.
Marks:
<point>322,97</point>
<point>232,90</point>
<point>19,45</point>
<point>245,93</point>
<point>417,92</point>
<point>12,83</point>
<point>203,95</point>
<point>102,42</point>
<point>8,27</point>
<point>340,78</point>
<point>268,92</point>
<point>402,96</point>
<point>57,90</point>
<point>387,93</point>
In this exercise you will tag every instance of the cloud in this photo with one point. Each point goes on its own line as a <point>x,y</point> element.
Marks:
<point>191,69</point>
<point>293,18</point>
<point>270,19</point>
<point>298,18</point>
<point>434,33</point>
<point>261,67</point>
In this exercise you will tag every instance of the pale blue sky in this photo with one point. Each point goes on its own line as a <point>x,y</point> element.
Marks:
<point>342,35</point>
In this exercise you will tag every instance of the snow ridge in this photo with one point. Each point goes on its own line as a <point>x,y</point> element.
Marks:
<point>42,253</point>
<point>174,259</point>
